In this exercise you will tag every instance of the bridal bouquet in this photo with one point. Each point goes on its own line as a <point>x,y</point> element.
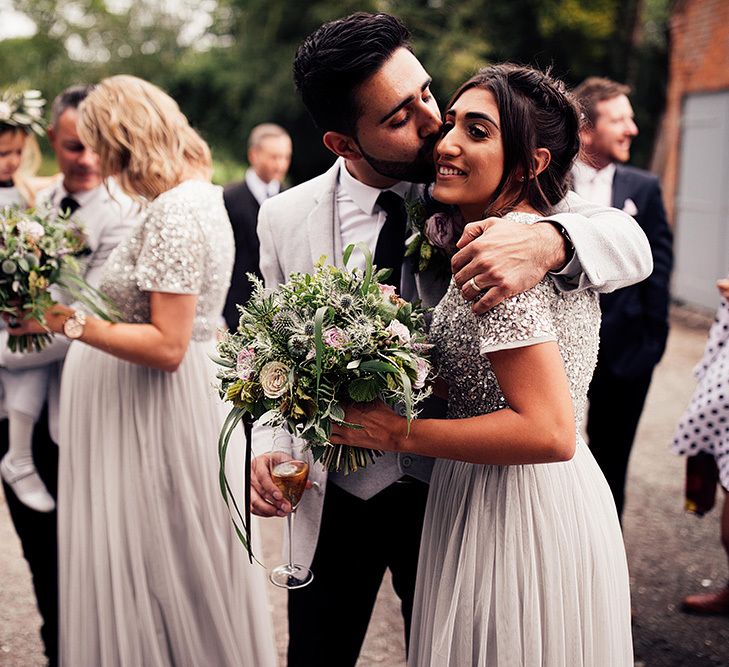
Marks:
<point>316,342</point>
<point>37,252</point>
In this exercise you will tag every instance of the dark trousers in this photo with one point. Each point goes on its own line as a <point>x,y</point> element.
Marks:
<point>615,407</point>
<point>358,541</point>
<point>37,533</point>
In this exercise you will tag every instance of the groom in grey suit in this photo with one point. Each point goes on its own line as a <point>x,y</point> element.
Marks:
<point>371,98</point>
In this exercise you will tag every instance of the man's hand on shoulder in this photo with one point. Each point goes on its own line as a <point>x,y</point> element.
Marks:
<point>502,258</point>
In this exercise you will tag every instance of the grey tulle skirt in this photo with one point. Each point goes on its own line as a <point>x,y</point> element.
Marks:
<point>151,572</point>
<point>521,566</point>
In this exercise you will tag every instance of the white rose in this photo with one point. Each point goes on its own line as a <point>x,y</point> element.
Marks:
<point>5,111</point>
<point>398,330</point>
<point>32,229</point>
<point>423,368</point>
<point>274,379</point>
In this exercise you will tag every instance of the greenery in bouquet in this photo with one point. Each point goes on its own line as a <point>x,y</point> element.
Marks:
<point>315,343</point>
<point>38,251</point>
<point>436,228</point>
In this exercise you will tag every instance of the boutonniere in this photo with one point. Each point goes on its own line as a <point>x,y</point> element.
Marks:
<point>435,227</point>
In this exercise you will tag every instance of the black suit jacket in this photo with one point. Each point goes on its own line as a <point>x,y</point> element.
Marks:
<point>635,319</point>
<point>242,209</point>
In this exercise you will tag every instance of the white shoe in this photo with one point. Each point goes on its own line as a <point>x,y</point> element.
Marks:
<point>27,485</point>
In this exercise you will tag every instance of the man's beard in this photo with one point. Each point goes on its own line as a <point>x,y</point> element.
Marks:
<point>419,170</point>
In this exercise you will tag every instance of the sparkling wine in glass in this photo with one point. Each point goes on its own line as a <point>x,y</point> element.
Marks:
<point>290,475</point>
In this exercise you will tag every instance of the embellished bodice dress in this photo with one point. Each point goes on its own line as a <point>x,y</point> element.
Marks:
<point>519,564</point>
<point>151,572</point>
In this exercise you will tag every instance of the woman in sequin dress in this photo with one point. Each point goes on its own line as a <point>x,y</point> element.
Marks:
<point>151,572</point>
<point>522,560</point>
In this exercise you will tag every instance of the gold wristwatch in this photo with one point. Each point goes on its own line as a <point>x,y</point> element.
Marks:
<point>73,327</point>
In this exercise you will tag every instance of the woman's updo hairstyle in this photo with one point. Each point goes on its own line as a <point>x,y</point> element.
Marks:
<point>536,111</point>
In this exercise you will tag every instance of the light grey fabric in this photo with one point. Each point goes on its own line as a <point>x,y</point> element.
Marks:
<point>611,250</point>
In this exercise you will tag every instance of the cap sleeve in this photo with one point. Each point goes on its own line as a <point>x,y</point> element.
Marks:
<point>172,252</point>
<point>524,319</point>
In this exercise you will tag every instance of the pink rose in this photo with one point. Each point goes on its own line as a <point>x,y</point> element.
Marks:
<point>334,337</point>
<point>387,291</point>
<point>244,363</point>
<point>439,231</point>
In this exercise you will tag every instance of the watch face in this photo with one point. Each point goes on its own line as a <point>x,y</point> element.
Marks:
<point>73,328</point>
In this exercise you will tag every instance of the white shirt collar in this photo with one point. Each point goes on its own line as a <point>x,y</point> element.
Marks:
<point>83,198</point>
<point>365,196</point>
<point>587,174</point>
<point>259,189</point>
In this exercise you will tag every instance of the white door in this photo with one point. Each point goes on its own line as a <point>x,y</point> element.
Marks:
<point>702,202</point>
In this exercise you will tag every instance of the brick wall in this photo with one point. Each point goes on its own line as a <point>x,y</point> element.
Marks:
<point>699,63</point>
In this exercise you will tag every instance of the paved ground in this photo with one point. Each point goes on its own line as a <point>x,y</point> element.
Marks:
<point>670,553</point>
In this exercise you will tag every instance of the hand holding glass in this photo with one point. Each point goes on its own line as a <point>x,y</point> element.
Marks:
<point>290,473</point>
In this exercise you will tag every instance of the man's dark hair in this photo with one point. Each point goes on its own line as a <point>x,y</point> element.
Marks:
<point>334,60</point>
<point>535,111</point>
<point>70,98</point>
<point>596,89</point>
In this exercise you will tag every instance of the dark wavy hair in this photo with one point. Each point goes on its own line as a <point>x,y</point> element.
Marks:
<point>338,57</point>
<point>536,111</point>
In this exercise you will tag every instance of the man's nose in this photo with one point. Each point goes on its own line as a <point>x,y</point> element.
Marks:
<point>88,158</point>
<point>431,122</point>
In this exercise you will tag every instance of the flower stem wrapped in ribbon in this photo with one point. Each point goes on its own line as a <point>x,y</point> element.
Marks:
<point>315,343</point>
<point>36,253</point>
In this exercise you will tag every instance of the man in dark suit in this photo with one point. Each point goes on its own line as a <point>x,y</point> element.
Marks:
<point>269,157</point>
<point>634,319</point>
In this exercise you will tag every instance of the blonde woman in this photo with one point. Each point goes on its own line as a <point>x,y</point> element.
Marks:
<point>151,573</point>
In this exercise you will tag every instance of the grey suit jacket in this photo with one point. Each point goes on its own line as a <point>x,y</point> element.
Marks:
<point>107,218</point>
<point>300,225</point>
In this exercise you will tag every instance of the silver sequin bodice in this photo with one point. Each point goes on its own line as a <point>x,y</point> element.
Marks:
<point>543,313</point>
<point>183,245</point>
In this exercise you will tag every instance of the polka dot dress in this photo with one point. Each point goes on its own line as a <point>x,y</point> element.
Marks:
<point>704,427</point>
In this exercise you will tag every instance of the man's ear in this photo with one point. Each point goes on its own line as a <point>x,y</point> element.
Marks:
<point>342,145</point>
<point>542,158</point>
<point>51,134</point>
<point>586,137</point>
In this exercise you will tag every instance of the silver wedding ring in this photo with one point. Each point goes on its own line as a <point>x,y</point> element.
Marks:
<point>472,282</point>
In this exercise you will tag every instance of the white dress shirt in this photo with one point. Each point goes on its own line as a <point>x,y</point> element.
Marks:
<point>11,197</point>
<point>259,189</point>
<point>360,218</point>
<point>595,185</point>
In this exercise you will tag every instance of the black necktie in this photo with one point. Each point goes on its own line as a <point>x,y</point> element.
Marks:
<point>390,248</point>
<point>69,206</point>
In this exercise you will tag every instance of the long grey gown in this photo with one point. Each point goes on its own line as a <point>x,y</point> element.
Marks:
<point>151,573</point>
<point>520,565</point>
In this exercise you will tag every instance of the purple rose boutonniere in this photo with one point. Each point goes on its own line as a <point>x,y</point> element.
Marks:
<point>435,229</point>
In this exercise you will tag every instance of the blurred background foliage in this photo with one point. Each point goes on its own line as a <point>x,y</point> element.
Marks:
<point>228,62</point>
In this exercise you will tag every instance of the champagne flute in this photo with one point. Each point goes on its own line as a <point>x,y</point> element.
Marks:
<point>290,473</point>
